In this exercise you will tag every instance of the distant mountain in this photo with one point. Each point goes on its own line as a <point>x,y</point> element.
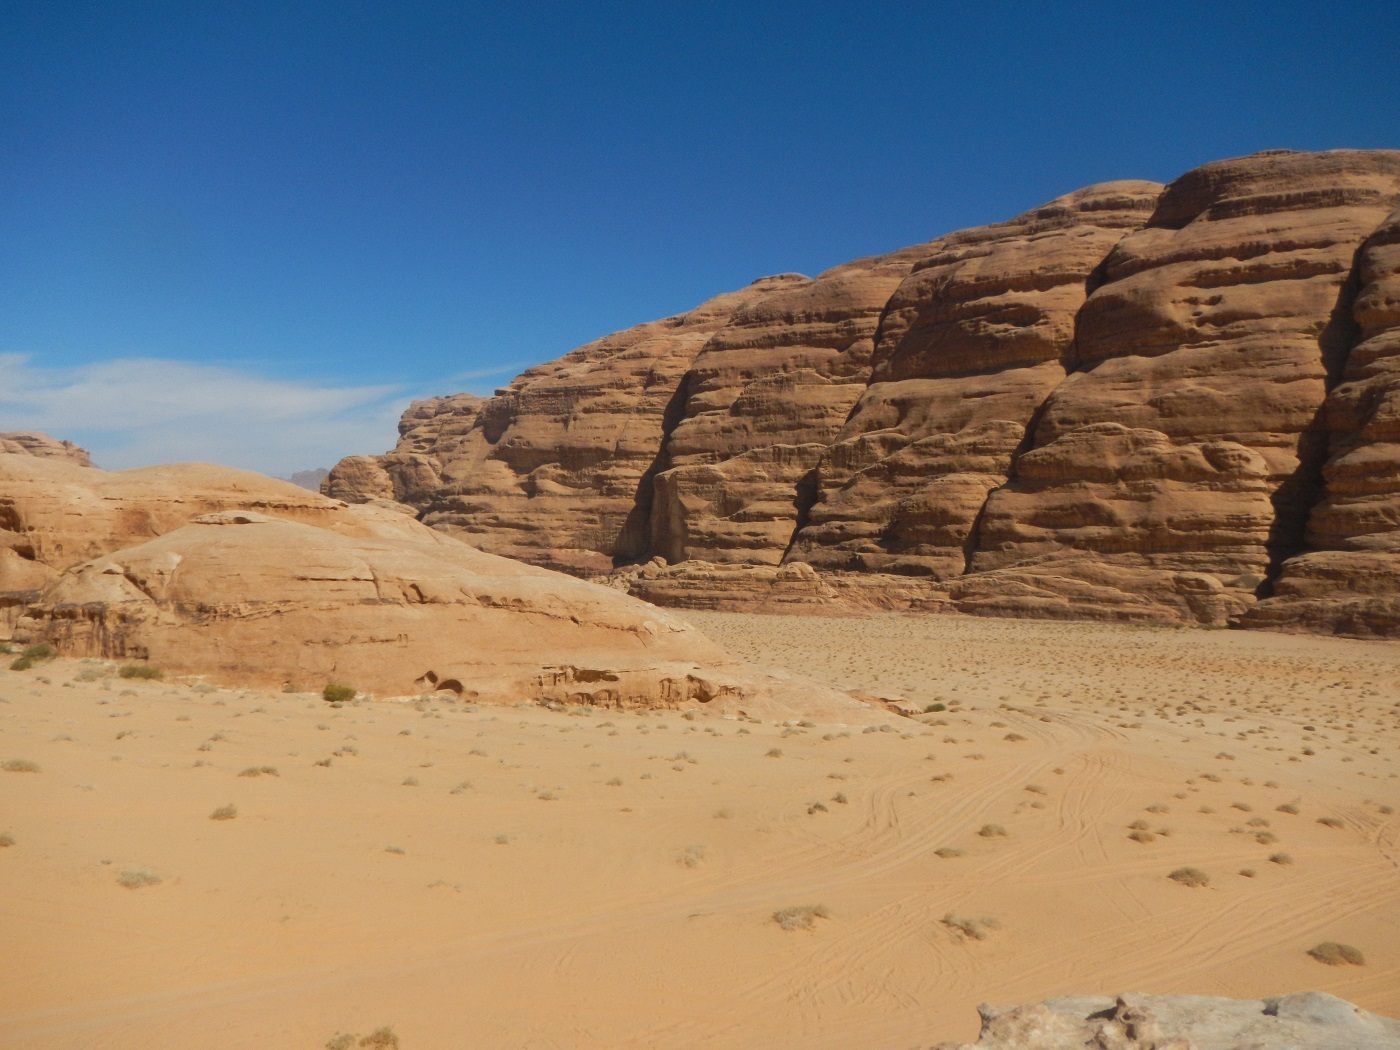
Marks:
<point>309,479</point>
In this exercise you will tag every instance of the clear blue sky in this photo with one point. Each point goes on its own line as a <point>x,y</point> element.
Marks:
<point>249,232</point>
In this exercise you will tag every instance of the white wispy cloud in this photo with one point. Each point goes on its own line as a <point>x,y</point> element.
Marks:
<point>142,411</point>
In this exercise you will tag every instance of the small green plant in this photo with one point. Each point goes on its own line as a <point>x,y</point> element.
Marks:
<point>20,765</point>
<point>337,694</point>
<point>136,878</point>
<point>935,708</point>
<point>140,671</point>
<point>33,655</point>
<point>1190,877</point>
<point>1334,954</point>
<point>801,918</point>
<point>224,812</point>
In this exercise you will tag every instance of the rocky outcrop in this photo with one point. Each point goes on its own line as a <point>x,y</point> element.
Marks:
<point>1302,1021</point>
<point>245,579</point>
<point>1146,403</point>
<point>32,443</point>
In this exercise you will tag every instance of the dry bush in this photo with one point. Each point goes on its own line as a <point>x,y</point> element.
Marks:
<point>976,929</point>
<point>1334,954</point>
<point>1281,858</point>
<point>141,671</point>
<point>1330,822</point>
<point>1288,807</point>
<point>1142,835</point>
<point>259,771</point>
<point>224,812</point>
<point>992,831</point>
<point>1190,877</point>
<point>135,878</point>
<point>691,856</point>
<point>6,840</point>
<point>801,918</point>
<point>20,765</point>
<point>948,852</point>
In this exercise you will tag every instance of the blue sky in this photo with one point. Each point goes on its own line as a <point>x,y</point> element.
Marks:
<point>250,233</point>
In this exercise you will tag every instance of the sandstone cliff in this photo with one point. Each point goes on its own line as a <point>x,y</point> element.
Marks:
<point>1150,403</point>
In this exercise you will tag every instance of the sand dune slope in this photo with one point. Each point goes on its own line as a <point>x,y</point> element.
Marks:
<point>519,877</point>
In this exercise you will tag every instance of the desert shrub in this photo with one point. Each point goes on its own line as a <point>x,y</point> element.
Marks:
<point>691,856</point>
<point>1288,807</point>
<point>20,765</point>
<point>224,812</point>
<point>947,852</point>
<point>935,708</point>
<point>801,918</point>
<point>1334,954</point>
<point>1142,835</point>
<point>992,831</point>
<point>135,878</point>
<point>381,1039</point>
<point>975,929</point>
<point>38,652</point>
<point>1281,858</point>
<point>1330,822</point>
<point>141,671</point>
<point>259,771</point>
<point>340,1041</point>
<point>1189,877</point>
<point>774,752</point>
<point>336,693</point>
<point>6,840</point>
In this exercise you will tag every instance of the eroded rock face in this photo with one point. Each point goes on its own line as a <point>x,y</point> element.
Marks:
<point>765,397</point>
<point>556,469</point>
<point>971,345</point>
<point>1115,405</point>
<point>1188,439</point>
<point>1302,1021</point>
<point>1350,580</point>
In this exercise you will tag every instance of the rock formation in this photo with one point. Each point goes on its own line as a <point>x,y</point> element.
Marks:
<point>246,579</point>
<point>1302,1021</point>
<point>1148,403</point>
<point>31,443</point>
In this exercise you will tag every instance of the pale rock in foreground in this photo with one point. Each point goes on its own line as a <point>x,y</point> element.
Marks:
<point>202,570</point>
<point>1302,1021</point>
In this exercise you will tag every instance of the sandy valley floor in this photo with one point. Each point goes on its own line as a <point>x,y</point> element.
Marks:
<point>518,877</point>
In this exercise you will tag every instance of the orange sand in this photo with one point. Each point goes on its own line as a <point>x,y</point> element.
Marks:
<point>377,889</point>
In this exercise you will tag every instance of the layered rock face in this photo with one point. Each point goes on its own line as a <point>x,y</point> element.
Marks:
<point>1350,578</point>
<point>305,590</point>
<point>1302,1021</point>
<point>970,346</point>
<point>1120,404</point>
<point>764,398</point>
<point>557,468</point>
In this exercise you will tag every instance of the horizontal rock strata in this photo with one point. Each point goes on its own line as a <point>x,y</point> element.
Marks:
<point>1145,403</point>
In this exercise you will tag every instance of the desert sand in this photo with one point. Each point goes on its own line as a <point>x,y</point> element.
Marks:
<point>502,877</point>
